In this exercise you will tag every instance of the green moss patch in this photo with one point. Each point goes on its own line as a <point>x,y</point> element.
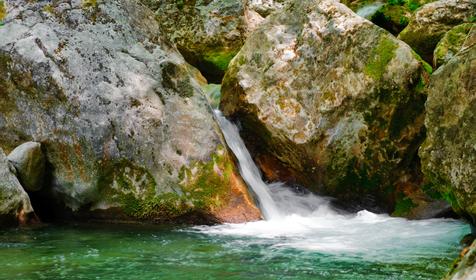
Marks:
<point>90,4</point>
<point>204,186</point>
<point>403,206</point>
<point>220,59</point>
<point>451,43</point>
<point>380,57</point>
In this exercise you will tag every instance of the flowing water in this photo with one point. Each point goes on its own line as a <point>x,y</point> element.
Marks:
<point>302,237</point>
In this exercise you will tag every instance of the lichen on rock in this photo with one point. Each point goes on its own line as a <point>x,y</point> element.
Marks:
<point>104,92</point>
<point>429,23</point>
<point>330,101</point>
<point>451,43</point>
<point>449,152</point>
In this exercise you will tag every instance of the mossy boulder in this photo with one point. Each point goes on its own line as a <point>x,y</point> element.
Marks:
<point>451,43</point>
<point>393,18</point>
<point>15,205</point>
<point>429,24</point>
<point>449,151</point>
<point>330,101</point>
<point>207,33</point>
<point>395,15</point>
<point>210,33</point>
<point>119,113</point>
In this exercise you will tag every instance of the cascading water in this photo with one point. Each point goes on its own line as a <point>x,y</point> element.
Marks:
<point>308,222</point>
<point>248,169</point>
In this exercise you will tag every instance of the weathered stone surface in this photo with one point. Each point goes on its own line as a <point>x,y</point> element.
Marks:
<point>15,206</point>
<point>327,99</point>
<point>451,43</point>
<point>465,267</point>
<point>428,25</point>
<point>121,116</point>
<point>29,161</point>
<point>210,33</point>
<point>207,33</point>
<point>265,7</point>
<point>449,151</point>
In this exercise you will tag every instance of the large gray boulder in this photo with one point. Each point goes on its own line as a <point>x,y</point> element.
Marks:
<point>331,101</point>
<point>121,116</point>
<point>29,161</point>
<point>449,151</point>
<point>15,206</point>
<point>429,23</point>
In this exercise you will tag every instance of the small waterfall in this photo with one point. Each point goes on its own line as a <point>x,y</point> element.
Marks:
<point>248,170</point>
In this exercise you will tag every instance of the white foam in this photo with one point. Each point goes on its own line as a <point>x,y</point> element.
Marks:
<point>308,222</point>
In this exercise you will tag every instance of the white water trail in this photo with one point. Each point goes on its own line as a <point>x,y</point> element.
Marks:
<point>308,222</point>
<point>248,170</point>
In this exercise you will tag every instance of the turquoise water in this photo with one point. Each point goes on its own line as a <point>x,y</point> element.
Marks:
<point>149,252</point>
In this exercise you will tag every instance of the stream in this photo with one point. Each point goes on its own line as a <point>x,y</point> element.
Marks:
<point>301,237</point>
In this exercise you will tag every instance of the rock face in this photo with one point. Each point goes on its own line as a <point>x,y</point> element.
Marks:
<point>432,21</point>
<point>15,206</point>
<point>465,267</point>
<point>449,152</point>
<point>331,101</point>
<point>29,162</point>
<point>451,43</point>
<point>210,33</point>
<point>207,33</point>
<point>126,129</point>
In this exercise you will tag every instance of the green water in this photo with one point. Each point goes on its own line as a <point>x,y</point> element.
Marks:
<point>147,252</point>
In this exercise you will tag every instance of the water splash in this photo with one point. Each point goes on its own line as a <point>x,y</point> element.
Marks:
<point>248,170</point>
<point>309,222</point>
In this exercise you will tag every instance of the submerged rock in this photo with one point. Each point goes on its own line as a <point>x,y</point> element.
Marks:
<point>29,162</point>
<point>449,151</point>
<point>15,206</point>
<point>122,119</point>
<point>331,101</point>
<point>428,25</point>
<point>465,267</point>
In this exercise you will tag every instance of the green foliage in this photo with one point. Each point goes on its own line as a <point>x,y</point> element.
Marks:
<point>403,206</point>
<point>396,2</point>
<point>413,5</point>
<point>380,57</point>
